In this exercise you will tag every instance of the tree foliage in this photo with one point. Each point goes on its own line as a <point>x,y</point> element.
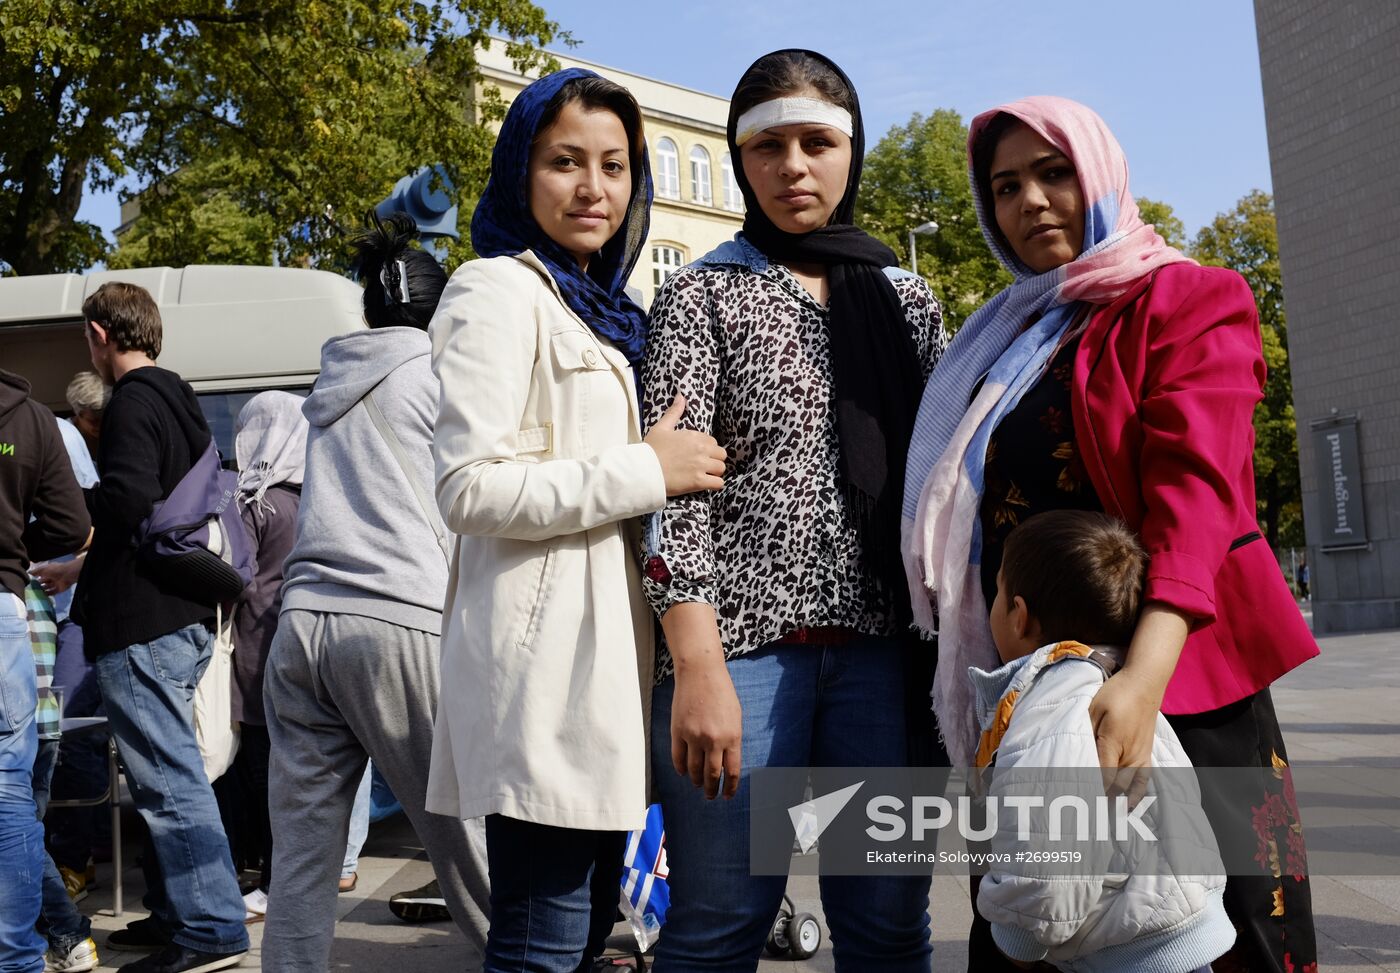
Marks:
<point>1245,239</point>
<point>255,127</point>
<point>1164,218</point>
<point>916,173</point>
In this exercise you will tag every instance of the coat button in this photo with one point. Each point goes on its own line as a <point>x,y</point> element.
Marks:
<point>590,357</point>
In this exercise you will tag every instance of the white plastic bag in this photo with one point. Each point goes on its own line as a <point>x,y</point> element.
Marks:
<point>214,728</point>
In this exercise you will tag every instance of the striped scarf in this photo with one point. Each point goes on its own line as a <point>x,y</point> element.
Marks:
<point>43,637</point>
<point>941,529</point>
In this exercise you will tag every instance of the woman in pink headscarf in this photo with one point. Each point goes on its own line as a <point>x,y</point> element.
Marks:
<point>1114,374</point>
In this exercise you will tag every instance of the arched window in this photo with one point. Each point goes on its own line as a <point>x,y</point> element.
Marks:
<point>700,190</point>
<point>668,169</point>
<point>733,199</point>
<point>665,261</point>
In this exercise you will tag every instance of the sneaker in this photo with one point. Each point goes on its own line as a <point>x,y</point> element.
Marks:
<point>420,905</point>
<point>254,906</point>
<point>75,883</point>
<point>142,936</point>
<point>181,959</point>
<point>79,959</point>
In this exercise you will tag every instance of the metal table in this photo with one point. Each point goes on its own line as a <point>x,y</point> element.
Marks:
<point>113,796</point>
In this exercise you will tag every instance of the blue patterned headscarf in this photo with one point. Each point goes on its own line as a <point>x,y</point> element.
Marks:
<point>502,225</point>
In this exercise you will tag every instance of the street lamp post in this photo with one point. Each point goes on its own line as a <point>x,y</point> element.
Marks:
<point>925,228</point>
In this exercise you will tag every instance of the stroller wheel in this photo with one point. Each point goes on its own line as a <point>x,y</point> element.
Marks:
<point>804,935</point>
<point>778,938</point>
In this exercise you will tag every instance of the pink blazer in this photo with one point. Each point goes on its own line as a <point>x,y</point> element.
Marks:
<point>1165,383</point>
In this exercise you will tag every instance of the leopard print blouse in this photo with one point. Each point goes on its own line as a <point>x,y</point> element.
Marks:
<point>773,551</point>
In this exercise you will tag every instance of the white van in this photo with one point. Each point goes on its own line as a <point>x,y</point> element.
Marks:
<point>230,332</point>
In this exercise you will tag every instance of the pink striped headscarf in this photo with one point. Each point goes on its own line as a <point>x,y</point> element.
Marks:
<point>947,454</point>
<point>1116,255</point>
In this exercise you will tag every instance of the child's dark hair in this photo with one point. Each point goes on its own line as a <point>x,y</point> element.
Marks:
<point>1081,574</point>
<point>600,94</point>
<point>786,73</point>
<point>402,283</point>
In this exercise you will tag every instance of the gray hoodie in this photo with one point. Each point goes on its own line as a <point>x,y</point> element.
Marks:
<point>363,545</point>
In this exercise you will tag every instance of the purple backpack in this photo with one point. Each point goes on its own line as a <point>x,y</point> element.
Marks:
<point>195,537</point>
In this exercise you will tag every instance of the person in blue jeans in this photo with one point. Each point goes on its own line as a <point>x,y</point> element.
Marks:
<point>80,769</point>
<point>21,835</point>
<point>68,931</point>
<point>41,515</point>
<point>803,350</point>
<point>152,640</point>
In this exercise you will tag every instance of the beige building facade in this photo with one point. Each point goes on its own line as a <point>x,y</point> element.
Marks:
<point>698,205</point>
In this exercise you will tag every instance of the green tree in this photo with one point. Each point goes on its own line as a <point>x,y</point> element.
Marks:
<point>255,127</point>
<point>1164,218</point>
<point>1246,240</point>
<point>916,173</point>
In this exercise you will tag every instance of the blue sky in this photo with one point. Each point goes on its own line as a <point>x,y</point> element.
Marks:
<point>1177,82</point>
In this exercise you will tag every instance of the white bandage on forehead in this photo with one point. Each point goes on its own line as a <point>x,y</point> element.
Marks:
<point>791,111</point>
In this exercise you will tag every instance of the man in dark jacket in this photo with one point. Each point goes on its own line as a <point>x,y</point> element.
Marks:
<point>151,643</point>
<point>36,481</point>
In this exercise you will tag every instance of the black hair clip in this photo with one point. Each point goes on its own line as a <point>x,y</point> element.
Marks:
<point>394,277</point>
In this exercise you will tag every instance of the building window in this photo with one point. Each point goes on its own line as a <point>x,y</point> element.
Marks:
<point>668,169</point>
<point>700,190</point>
<point>733,199</point>
<point>665,261</point>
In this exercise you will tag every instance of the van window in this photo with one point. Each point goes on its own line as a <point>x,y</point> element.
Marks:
<point>221,412</point>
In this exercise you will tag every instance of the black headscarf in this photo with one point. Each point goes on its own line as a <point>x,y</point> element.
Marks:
<point>875,364</point>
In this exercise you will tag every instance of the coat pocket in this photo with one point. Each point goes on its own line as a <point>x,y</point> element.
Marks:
<point>18,686</point>
<point>576,351</point>
<point>541,595</point>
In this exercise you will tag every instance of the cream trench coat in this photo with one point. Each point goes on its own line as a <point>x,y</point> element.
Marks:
<point>547,637</point>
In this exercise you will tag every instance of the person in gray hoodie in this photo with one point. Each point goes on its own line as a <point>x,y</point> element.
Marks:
<point>352,672</point>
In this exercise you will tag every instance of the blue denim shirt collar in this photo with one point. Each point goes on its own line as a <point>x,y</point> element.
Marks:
<point>738,252</point>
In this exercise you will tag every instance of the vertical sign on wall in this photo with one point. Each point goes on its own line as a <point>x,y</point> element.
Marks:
<point>1339,499</point>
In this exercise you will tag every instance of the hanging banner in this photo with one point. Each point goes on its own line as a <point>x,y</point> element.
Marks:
<point>1340,503</point>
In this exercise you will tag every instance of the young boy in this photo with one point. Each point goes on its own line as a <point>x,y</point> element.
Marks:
<point>1075,575</point>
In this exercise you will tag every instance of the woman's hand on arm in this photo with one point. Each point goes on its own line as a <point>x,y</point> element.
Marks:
<point>1124,711</point>
<point>707,722</point>
<point>690,461</point>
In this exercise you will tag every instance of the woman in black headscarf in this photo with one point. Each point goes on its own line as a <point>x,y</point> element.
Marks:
<point>803,350</point>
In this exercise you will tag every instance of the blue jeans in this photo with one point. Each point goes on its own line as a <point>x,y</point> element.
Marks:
<point>60,922</point>
<point>21,834</point>
<point>804,706</point>
<point>554,895</point>
<point>149,692</point>
<point>359,824</point>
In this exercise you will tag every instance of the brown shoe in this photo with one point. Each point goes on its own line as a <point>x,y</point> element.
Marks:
<point>348,884</point>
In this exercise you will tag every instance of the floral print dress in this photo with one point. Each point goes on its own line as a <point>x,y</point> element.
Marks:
<point>1033,464</point>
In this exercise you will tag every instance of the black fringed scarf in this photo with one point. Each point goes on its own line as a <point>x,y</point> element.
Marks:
<point>875,364</point>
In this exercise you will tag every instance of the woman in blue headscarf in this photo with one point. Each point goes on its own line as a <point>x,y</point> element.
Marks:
<point>541,473</point>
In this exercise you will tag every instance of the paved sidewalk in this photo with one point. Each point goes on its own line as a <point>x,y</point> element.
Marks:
<point>1342,708</point>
